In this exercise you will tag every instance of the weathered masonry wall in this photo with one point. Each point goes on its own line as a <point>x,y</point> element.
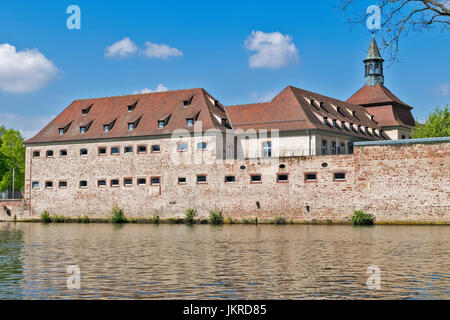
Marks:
<point>403,181</point>
<point>11,208</point>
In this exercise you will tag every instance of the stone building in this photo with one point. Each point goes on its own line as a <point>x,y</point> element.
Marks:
<point>160,153</point>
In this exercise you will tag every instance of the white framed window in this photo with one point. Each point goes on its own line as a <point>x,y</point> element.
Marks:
<point>267,149</point>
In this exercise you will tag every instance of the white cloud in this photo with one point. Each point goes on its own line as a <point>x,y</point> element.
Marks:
<point>122,49</point>
<point>160,51</point>
<point>159,88</point>
<point>24,71</point>
<point>270,50</point>
<point>263,96</point>
<point>443,89</point>
<point>28,126</point>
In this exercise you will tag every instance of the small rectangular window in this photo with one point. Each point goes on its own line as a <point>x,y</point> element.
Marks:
<point>255,178</point>
<point>154,181</point>
<point>201,178</point>
<point>282,177</point>
<point>83,152</point>
<point>35,185</point>
<point>114,182</point>
<point>49,153</point>
<point>128,182</point>
<point>156,148</point>
<point>131,126</point>
<point>142,149</point>
<point>182,180</point>
<point>333,147</point>
<point>106,128</point>
<point>48,184</point>
<point>102,151</point>
<point>161,124</point>
<point>82,130</point>
<point>324,147</point>
<point>182,147</point>
<point>267,149</point>
<point>83,184</point>
<point>141,181</point>
<point>189,122</point>
<point>201,146</point>
<point>339,176</point>
<point>36,154</point>
<point>61,131</point>
<point>63,184</point>
<point>312,176</point>
<point>115,150</point>
<point>101,183</point>
<point>230,179</point>
<point>128,149</point>
<point>63,153</point>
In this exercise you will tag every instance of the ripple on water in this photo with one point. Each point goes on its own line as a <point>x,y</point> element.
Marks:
<point>231,262</point>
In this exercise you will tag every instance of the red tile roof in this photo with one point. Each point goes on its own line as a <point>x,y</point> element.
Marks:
<point>387,108</point>
<point>292,110</point>
<point>149,108</point>
<point>374,94</point>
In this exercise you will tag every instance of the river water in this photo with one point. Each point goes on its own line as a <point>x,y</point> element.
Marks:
<point>223,262</point>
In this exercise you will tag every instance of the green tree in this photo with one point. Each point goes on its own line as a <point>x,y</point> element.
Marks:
<point>12,155</point>
<point>436,125</point>
<point>2,131</point>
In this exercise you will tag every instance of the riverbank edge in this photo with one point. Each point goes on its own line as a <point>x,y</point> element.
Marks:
<point>228,222</point>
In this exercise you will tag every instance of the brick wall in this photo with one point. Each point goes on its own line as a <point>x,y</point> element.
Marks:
<point>396,183</point>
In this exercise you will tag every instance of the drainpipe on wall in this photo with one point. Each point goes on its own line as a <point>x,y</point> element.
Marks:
<point>309,140</point>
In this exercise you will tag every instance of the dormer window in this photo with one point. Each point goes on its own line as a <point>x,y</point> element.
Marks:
<point>133,125</point>
<point>190,121</point>
<point>64,129</point>
<point>109,126</point>
<point>164,121</point>
<point>372,118</point>
<point>334,123</point>
<point>381,132</point>
<point>84,129</point>
<point>359,128</point>
<point>188,101</point>
<point>224,122</point>
<point>351,126</point>
<point>339,110</point>
<point>367,130</point>
<point>86,111</point>
<point>343,125</point>
<point>325,120</point>
<point>131,107</point>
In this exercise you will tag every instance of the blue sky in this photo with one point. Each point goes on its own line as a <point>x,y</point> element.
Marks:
<point>206,44</point>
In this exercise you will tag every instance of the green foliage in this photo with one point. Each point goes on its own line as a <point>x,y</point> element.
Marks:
<point>118,215</point>
<point>12,155</point>
<point>436,125</point>
<point>361,218</point>
<point>155,219</point>
<point>216,216</point>
<point>250,221</point>
<point>171,220</point>
<point>83,219</point>
<point>190,215</point>
<point>59,219</point>
<point>45,217</point>
<point>279,220</point>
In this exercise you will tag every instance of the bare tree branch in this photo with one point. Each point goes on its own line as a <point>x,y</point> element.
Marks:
<point>399,17</point>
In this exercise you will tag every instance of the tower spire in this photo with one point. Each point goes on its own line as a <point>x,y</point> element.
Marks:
<point>373,65</point>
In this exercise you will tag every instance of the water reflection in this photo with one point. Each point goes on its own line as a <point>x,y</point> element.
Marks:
<point>225,262</point>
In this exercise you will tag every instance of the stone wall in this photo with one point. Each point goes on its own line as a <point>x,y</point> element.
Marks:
<point>407,182</point>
